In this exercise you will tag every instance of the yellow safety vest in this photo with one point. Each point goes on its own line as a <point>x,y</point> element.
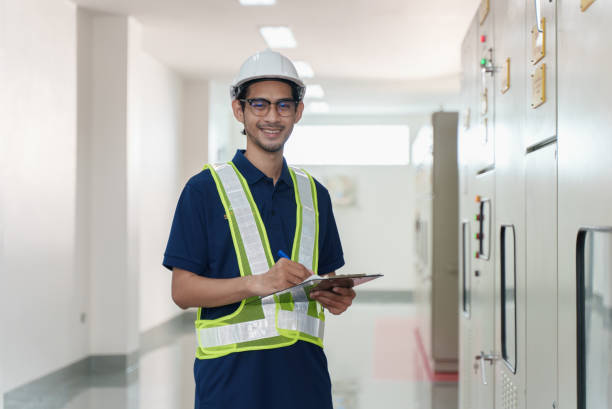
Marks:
<point>273,321</point>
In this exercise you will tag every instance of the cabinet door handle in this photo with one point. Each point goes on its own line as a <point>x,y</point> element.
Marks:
<point>483,368</point>
<point>491,358</point>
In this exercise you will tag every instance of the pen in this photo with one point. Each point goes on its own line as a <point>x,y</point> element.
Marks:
<point>281,254</point>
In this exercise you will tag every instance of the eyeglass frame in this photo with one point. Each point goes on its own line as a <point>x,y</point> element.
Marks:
<point>270,103</point>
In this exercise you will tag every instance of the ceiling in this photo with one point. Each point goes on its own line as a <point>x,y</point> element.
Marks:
<point>406,46</point>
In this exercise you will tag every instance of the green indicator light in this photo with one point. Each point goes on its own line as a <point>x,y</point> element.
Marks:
<point>483,61</point>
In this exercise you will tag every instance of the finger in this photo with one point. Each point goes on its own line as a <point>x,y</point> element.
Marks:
<point>292,279</point>
<point>336,310</point>
<point>330,300</point>
<point>340,300</point>
<point>299,271</point>
<point>346,291</point>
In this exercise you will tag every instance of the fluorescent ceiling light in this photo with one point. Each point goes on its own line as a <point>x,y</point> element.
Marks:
<point>314,91</point>
<point>318,107</point>
<point>304,69</point>
<point>257,2</point>
<point>278,37</point>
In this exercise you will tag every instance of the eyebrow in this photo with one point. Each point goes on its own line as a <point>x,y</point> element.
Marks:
<point>266,99</point>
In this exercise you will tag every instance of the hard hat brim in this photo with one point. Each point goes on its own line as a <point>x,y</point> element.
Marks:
<point>236,88</point>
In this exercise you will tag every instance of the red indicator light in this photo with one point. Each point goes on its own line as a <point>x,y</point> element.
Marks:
<point>483,39</point>
<point>477,255</point>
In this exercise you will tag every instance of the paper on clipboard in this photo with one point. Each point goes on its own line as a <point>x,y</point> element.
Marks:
<point>327,283</point>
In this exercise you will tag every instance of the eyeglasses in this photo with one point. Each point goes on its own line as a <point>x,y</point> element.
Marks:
<point>261,106</point>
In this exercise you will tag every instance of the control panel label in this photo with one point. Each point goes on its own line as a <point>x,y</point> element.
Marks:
<point>538,43</point>
<point>585,4</point>
<point>538,86</point>
<point>505,85</point>
<point>484,10</point>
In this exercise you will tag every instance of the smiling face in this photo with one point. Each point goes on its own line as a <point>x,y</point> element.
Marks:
<point>269,132</point>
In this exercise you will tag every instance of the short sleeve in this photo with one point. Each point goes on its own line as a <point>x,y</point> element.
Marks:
<point>188,242</point>
<point>331,256</point>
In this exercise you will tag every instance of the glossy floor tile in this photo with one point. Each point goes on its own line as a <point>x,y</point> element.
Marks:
<point>374,361</point>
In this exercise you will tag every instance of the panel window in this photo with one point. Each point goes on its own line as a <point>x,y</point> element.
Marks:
<point>465,268</point>
<point>508,295</point>
<point>594,295</point>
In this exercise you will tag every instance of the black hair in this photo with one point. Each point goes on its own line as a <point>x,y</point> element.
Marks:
<point>295,89</point>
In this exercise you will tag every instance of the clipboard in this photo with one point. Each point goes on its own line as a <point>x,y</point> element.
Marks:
<point>327,283</point>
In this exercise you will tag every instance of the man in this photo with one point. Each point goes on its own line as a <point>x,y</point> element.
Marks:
<point>231,223</point>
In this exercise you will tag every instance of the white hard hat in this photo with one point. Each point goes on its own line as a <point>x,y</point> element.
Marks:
<point>267,64</point>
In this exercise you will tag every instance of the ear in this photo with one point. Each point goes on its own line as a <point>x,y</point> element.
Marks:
<point>238,112</point>
<point>299,111</point>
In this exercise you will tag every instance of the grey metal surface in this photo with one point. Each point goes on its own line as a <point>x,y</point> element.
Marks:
<point>477,177</point>
<point>510,36</point>
<point>541,278</point>
<point>483,302</point>
<point>541,121</point>
<point>576,119</point>
<point>596,258</point>
<point>436,224</point>
<point>585,143</point>
<point>467,133</point>
<point>444,243</point>
<point>483,145</point>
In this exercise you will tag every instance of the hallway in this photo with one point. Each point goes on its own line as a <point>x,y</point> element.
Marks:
<point>364,373</point>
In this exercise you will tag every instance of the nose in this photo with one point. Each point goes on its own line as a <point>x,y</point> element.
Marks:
<point>272,114</point>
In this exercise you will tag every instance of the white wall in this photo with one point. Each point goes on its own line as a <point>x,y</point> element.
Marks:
<point>224,131</point>
<point>111,230</point>
<point>155,132</point>
<point>44,292</point>
<point>195,127</point>
<point>377,231</point>
<point>92,162</point>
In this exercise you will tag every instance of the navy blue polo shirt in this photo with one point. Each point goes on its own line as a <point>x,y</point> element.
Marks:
<point>200,241</point>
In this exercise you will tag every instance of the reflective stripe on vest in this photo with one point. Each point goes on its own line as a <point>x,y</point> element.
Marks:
<point>273,321</point>
<point>305,316</point>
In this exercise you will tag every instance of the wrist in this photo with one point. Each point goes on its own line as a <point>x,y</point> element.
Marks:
<point>252,285</point>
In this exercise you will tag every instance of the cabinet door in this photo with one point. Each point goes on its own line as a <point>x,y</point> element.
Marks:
<point>541,278</point>
<point>585,173</point>
<point>541,63</point>
<point>510,203</point>
<point>482,377</point>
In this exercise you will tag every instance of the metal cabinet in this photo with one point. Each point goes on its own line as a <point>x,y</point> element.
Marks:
<point>585,176</point>
<point>541,277</point>
<point>476,160</point>
<point>548,179</point>
<point>435,157</point>
<point>510,229</point>
<point>541,62</point>
<point>482,349</point>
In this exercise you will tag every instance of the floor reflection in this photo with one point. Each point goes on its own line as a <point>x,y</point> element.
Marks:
<point>374,362</point>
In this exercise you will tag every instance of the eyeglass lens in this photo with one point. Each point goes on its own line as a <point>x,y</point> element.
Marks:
<point>260,106</point>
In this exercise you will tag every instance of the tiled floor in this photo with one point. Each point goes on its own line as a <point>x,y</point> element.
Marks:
<point>374,362</point>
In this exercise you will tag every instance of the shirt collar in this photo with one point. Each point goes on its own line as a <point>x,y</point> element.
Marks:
<point>254,175</point>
